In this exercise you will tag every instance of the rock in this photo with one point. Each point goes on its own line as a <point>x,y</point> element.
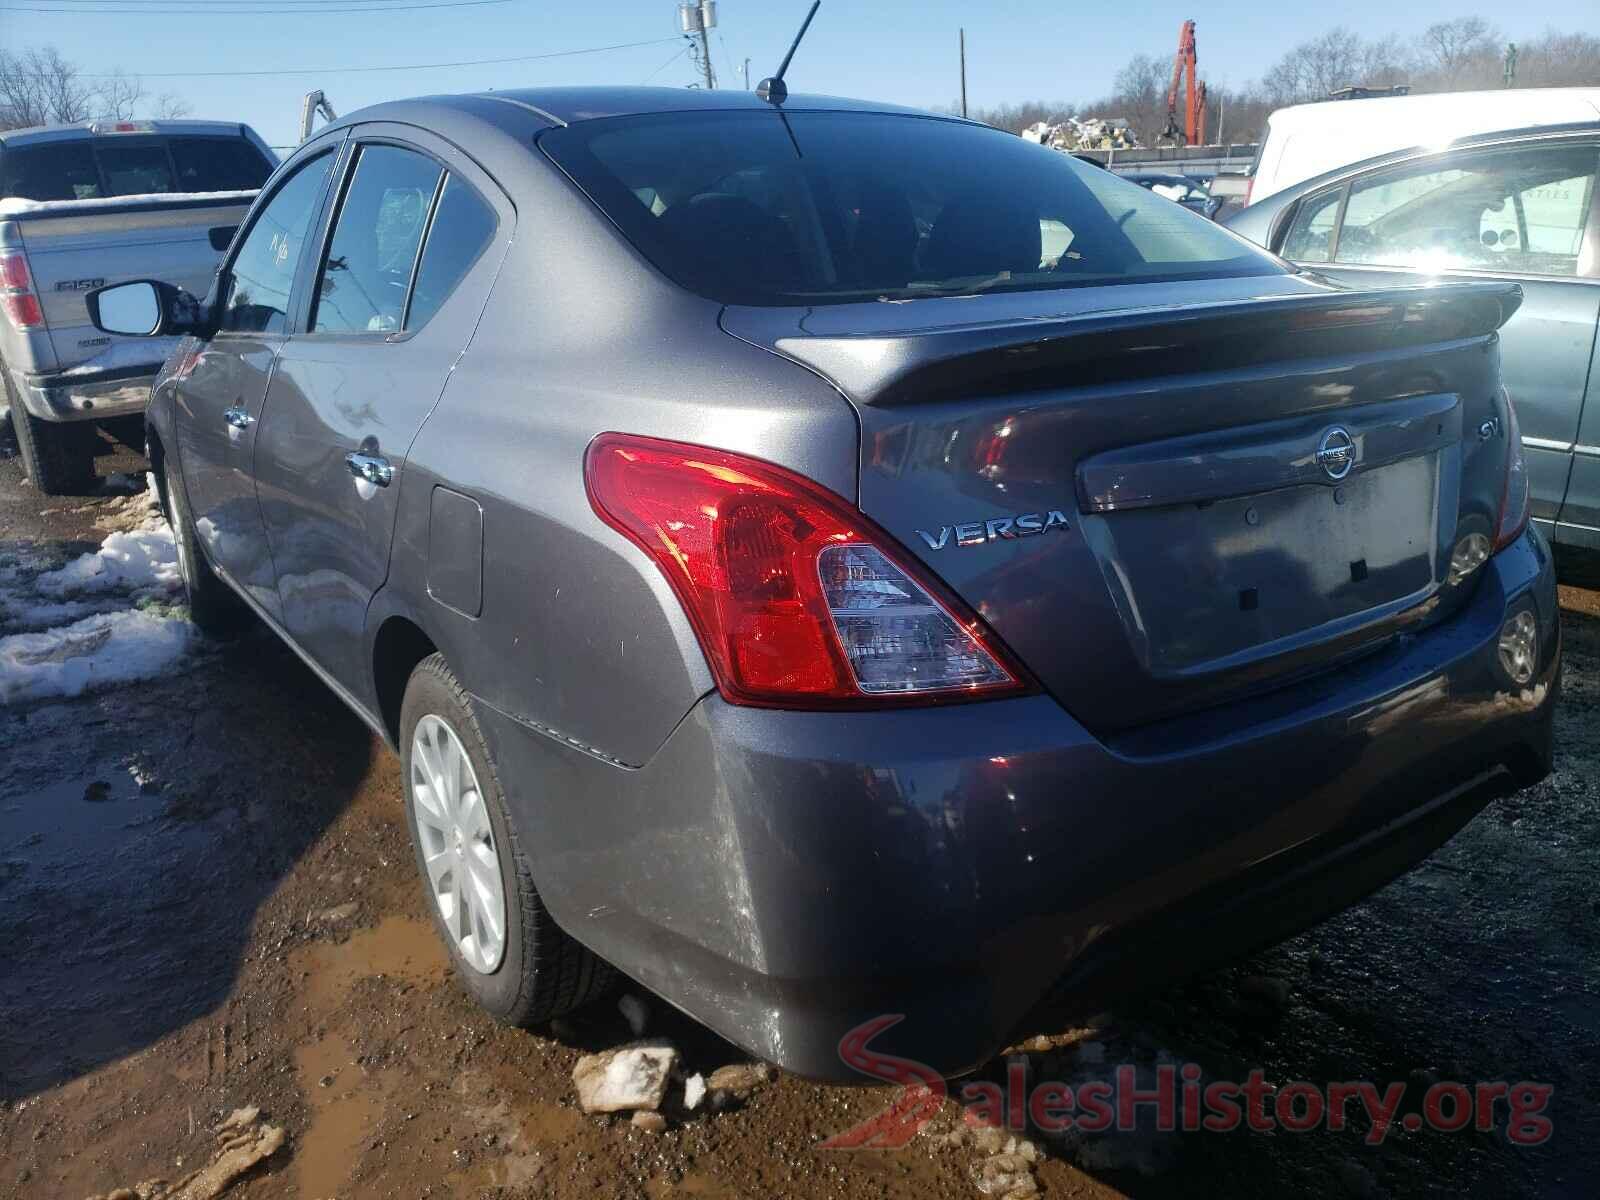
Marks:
<point>740,1078</point>
<point>988,1139</point>
<point>650,1122</point>
<point>694,1091</point>
<point>1005,1176</point>
<point>635,1012</point>
<point>339,912</point>
<point>1039,1044</point>
<point>632,1076</point>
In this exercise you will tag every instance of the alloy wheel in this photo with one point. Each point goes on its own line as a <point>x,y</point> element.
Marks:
<point>459,853</point>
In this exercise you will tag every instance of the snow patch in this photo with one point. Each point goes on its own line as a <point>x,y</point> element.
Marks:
<point>16,206</point>
<point>119,647</point>
<point>141,562</point>
<point>108,617</point>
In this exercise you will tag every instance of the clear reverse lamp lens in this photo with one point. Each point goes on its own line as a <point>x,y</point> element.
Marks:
<point>1519,646</point>
<point>896,636</point>
<point>1471,552</point>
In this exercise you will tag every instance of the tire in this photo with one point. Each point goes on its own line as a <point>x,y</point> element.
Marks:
<point>57,456</point>
<point>213,606</point>
<point>540,972</point>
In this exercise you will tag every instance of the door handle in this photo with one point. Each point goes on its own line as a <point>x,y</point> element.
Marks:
<point>238,417</point>
<point>371,468</point>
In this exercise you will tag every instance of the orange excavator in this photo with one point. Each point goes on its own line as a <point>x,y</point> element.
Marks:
<point>1194,113</point>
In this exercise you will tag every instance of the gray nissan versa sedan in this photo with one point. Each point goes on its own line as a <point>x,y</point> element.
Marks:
<point>833,562</point>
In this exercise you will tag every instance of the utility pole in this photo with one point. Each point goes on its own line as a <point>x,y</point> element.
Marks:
<point>1511,65</point>
<point>963,72</point>
<point>747,74</point>
<point>700,18</point>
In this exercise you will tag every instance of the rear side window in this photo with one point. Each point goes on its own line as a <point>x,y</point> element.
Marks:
<point>95,168</point>
<point>461,229</point>
<point>825,208</point>
<point>50,171</point>
<point>367,272</point>
<point>213,164</point>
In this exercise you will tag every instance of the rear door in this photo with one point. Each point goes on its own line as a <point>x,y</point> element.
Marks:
<point>407,264</point>
<point>1522,211</point>
<point>220,399</point>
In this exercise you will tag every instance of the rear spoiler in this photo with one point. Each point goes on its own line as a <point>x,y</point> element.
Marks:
<point>1139,343</point>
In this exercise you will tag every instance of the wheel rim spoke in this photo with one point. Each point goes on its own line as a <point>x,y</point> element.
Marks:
<point>457,844</point>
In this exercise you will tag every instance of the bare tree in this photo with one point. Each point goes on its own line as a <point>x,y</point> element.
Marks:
<point>1449,47</point>
<point>117,96</point>
<point>38,87</point>
<point>170,107</point>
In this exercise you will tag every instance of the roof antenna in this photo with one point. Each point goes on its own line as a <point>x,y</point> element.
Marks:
<point>774,90</point>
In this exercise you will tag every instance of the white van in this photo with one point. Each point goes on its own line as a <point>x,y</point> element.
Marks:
<point>1304,141</point>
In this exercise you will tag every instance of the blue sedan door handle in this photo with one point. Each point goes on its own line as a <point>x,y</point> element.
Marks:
<point>370,468</point>
<point>238,417</point>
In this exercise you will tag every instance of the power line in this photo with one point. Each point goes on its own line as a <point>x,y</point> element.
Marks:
<point>243,12</point>
<point>473,62</point>
<point>676,55</point>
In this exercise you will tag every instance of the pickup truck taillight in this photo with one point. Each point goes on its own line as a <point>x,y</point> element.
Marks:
<point>17,300</point>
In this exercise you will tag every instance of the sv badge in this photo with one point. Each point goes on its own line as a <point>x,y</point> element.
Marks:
<point>978,533</point>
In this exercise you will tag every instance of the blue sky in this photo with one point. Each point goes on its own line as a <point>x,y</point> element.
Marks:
<point>894,50</point>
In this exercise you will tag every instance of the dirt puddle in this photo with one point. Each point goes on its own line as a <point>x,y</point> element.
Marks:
<point>346,1100</point>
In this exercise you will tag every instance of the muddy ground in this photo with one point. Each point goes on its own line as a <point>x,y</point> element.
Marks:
<point>207,900</point>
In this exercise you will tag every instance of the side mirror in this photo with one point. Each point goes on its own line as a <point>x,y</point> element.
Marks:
<point>144,308</point>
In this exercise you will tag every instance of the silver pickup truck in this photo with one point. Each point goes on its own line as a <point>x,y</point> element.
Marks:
<point>84,206</point>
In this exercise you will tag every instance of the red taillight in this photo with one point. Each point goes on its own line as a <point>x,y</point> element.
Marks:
<point>1514,498</point>
<point>17,300</point>
<point>1249,186</point>
<point>798,600</point>
<point>14,272</point>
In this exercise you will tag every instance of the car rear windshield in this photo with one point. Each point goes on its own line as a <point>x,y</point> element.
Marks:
<point>97,168</point>
<point>773,208</point>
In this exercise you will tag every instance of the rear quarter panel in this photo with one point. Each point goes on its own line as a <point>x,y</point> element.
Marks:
<point>580,638</point>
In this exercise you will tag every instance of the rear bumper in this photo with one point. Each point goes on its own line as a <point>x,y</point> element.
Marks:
<point>87,397</point>
<point>784,877</point>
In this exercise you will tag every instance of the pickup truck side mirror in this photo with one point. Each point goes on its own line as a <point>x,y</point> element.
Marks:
<point>144,308</point>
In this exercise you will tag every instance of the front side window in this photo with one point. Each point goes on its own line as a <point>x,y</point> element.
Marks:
<point>262,275</point>
<point>365,277</point>
<point>826,208</point>
<point>1521,210</point>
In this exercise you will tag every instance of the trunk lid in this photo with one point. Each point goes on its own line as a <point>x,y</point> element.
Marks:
<point>1160,507</point>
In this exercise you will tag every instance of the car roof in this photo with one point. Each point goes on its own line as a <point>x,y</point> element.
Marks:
<point>1306,140</point>
<point>102,128</point>
<point>1460,112</point>
<point>1474,141</point>
<point>572,105</point>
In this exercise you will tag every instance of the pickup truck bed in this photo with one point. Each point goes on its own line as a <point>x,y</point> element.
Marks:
<point>69,226</point>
